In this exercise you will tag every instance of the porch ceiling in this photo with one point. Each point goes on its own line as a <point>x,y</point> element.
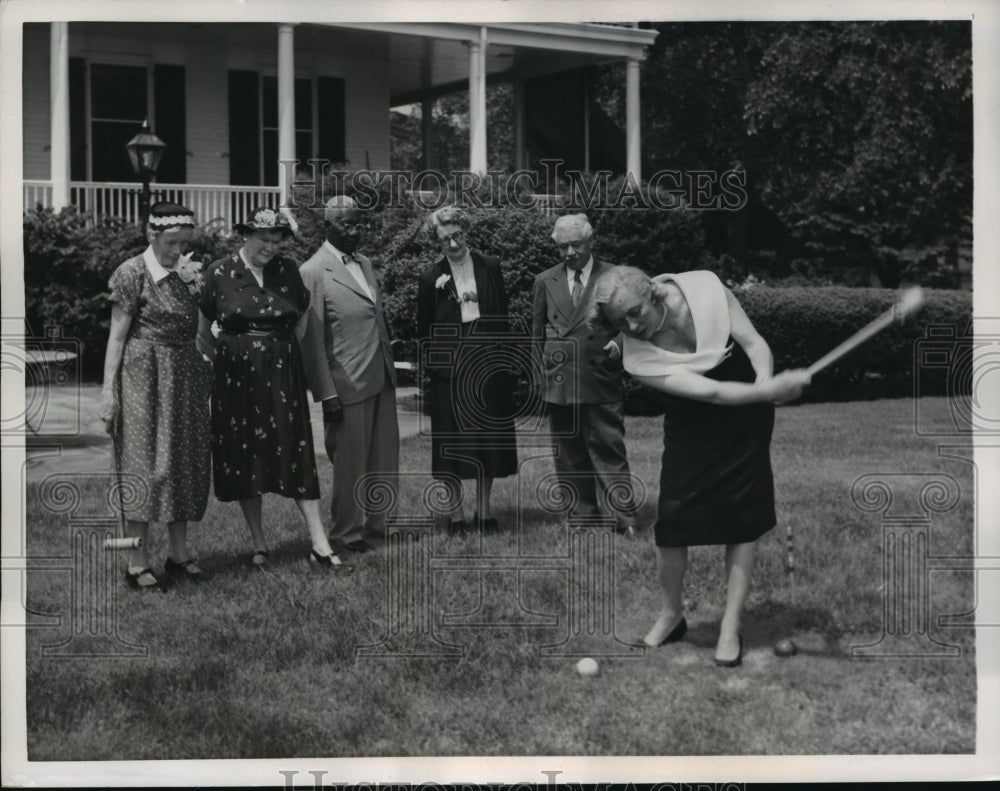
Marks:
<point>432,59</point>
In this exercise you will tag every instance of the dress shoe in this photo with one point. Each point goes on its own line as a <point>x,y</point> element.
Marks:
<point>673,636</point>
<point>182,572</point>
<point>329,562</point>
<point>144,580</point>
<point>732,662</point>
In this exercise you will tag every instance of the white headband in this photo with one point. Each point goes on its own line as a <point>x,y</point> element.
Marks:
<point>172,219</point>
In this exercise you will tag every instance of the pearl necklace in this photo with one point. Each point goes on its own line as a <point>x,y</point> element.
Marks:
<point>663,318</point>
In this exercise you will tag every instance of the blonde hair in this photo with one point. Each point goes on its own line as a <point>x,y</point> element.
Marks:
<point>613,280</point>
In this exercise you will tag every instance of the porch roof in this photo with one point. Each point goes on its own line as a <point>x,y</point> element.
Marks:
<point>432,59</point>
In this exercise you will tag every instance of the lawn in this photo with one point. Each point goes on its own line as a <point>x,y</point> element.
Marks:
<point>265,664</point>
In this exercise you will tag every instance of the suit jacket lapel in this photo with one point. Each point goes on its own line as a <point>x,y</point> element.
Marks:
<point>336,268</point>
<point>369,272</point>
<point>560,292</point>
<point>582,309</point>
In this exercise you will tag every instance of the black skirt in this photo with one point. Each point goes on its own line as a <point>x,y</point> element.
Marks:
<point>716,485</point>
<point>472,412</point>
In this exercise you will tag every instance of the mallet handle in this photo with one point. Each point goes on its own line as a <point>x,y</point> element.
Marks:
<point>866,332</point>
<point>909,301</point>
<point>123,543</point>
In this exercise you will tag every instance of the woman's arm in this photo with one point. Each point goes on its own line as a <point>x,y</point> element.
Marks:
<point>746,335</point>
<point>786,386</point>
<point>120,324</point>
<point>205,340</point>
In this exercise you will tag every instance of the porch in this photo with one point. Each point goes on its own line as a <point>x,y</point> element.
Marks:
<point>214,206</point>
<point>234,101</point>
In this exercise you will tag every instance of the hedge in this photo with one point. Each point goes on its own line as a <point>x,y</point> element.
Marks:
<point>67,266</point>
<point>802,324</point>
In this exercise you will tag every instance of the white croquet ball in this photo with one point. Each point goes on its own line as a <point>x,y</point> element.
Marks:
<point>588,667</point>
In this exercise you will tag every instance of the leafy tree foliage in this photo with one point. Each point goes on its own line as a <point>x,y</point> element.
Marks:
<point>856,137</point>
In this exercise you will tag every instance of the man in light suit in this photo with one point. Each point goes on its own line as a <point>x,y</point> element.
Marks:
<point>581,372</point>
<point>349,367</point>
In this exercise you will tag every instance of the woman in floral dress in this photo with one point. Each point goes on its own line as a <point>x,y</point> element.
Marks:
<point>262,439</point>
<point>155,397</point>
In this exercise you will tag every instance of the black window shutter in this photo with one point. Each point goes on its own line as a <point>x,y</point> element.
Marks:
<point>169,111</point>
<point>77,119</point>
<point>244,128</point>
<point>332,142</point>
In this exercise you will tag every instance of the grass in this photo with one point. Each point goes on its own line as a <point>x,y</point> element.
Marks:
<point>263,665</point>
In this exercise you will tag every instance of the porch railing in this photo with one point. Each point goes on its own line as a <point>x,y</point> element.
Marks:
<point>212,204</point>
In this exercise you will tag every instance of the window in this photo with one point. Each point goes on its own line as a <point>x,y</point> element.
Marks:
<point>119,101</point>
<point>253,124</point>
<point>269,125</point>
<point>118,105</point>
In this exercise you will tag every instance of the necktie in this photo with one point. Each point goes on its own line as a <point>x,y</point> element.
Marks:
<point>577,288</point>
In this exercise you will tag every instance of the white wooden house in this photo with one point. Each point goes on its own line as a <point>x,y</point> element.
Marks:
<point>232,99</point>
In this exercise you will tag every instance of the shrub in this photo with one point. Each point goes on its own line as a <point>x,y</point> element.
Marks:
<point>66,270</point>
<point>803,324</point>
<point>67,266</point>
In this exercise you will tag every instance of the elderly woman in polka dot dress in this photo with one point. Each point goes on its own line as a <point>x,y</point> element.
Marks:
<point>155,397</point>
<point>262,439</point>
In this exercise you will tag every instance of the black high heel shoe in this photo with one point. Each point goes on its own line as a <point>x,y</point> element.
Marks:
<point>732,662</point>
<point>675,635</point>
<point>187,571</point>
<point>329,562</point>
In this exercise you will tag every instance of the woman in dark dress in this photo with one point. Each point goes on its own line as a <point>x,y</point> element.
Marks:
<point>687,336</point>
<point>262,439</point>
<point>155,397</point>
<point>462,318</point>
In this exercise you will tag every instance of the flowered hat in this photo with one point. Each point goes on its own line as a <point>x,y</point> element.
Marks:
<point>166,216</point>
<point>264,219</point>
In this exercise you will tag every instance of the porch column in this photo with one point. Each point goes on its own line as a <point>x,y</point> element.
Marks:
<point>59,106</point>
<point>477,103</point>
<point>427,132</point>
<point>286,106</point>
<point>632,145</point>
<point>520,159</point>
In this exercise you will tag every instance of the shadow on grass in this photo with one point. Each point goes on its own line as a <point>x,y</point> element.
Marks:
<point>812,629</point>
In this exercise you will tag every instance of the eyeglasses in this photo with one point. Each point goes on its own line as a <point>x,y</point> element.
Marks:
<point>458,237</point>
<point>359,227</point>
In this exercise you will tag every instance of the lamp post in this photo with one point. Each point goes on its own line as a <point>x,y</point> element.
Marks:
<point>145,151</point>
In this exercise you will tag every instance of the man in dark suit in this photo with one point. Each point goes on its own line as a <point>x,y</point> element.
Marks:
<point>349,366</point>
<point>581,373</point>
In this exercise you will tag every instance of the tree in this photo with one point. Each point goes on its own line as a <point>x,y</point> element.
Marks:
<point>856,136</point>
<point>450,132</point>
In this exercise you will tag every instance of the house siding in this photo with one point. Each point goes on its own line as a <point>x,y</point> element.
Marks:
<point>36,119</point>
<point>208,52</point>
